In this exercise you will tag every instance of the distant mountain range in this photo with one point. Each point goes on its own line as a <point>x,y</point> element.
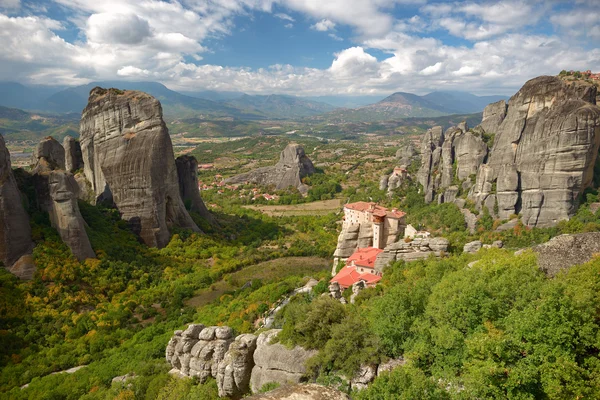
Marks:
<point>211,104</point>
<point>407,105</point>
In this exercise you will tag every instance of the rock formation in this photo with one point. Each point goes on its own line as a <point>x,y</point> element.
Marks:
<point>128,158</point>
<point>564,251</point>
<point>406,154</point>
<point>49,155</point>
<point>237,364</point>
<point>187,173</point>
<point>15,232</point>
<point>304,391</point>
<point>293,165</point>
<point>416,249</point>
<point>73,156</point>
<point>545,147</point>
<point>57,193</point>
<point>233,375</point>
<point>394,180</point>
<point>448,157</point>
<point>274,362</point>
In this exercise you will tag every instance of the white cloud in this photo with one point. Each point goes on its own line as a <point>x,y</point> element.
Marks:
<point>324,25</point>
<point>285,17</point>
<point>335,37</point>
<point>117,28</point>
<point>10,4</point>
<point>289,26</point>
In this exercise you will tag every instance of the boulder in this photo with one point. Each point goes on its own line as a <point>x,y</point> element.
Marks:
<point>15,231</point>
<point>128,159</point>
<point>407,154</point>
<point>48,155</point>
<point>293,165</point>
<point>472,247</point>
<point>274,362</point>
<point>233,376</point>
<point>187,173</point>
<point>545,148</point>
<point>365,375</point>
<point>564,251</point>
<point>73,156</point>
<point>416,249</point>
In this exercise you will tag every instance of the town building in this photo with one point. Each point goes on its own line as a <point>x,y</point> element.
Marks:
<point>412,233</point>
<point>360,266</point>
<point>386,224</point>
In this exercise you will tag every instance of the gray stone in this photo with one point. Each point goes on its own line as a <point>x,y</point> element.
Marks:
<point>365,375</point>
<point>390,365</point>
<point>193,331</point>
<point>307,391</point>
<point>49,155</point>
<point>128,158</point>
<point>293,165</point>
<point>15,231</point>
<point>472,247</point>
<point>546,144</point>
<point>233,376</point>
<point>73,156</point>
<point>274,362</point>
<point>565,251</point>
<point>187,173</point>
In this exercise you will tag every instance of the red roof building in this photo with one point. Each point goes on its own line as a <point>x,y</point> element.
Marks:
<point>360,266</point>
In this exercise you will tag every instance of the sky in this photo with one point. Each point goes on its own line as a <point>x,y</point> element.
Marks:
<point>299,47</point>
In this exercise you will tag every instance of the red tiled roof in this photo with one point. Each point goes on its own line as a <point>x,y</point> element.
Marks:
<point>364,257</point>
<point>375,209</point>
<point>348,276</point>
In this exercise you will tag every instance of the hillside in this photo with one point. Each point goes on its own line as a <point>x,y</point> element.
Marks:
<point>280,106</point>
<point>25,126</point>
<point>461,102</point>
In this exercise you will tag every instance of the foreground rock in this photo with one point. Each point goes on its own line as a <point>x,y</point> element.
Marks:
<point>187,173</point>
<point>274,362</point>
<point>545,147</point>
<point>565,251</point>
<point>417,249</point>
<point>233,376</point>
<point>15,232</point>
<point>293,165</point>
<point>128,159</point>
<point>57,193</point>
<point>308,391</point>
<point>49,155</point>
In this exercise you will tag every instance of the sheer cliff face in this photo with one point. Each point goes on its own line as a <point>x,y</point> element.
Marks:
<point>187,172</point>
<point>545,147</point>
<point>15,232</point>
<point>128,157</point>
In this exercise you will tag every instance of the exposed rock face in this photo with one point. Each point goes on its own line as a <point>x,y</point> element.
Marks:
<point>307,391</point>
<point>472,247</point>
<point>276,363</point>
<point>57,193</point>
<point>198,350</point>
<point>407,154</point>
<point>233,376</point>
<point>187,172</point>
<point>365,375</point>
<point>565,251</point>
<point>545,146</point>
<point>49,155</point>
<point>416,249</point>
<point>293,165</point>
<point>128,157</point>
<point>455,154</point>
<point>73,156</point>
<point>15,232</point>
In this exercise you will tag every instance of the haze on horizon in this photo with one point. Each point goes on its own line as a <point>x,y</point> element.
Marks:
<point>298,47</point>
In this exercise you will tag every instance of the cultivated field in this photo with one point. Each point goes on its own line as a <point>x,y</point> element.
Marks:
<point>314,208</point>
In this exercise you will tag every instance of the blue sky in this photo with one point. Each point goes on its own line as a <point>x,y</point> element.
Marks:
<point>299,47</point>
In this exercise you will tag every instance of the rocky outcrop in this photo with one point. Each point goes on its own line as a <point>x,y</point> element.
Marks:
<point>394,180</point>
<point>365,375</point>
<point>416,249</point>
<point>293,165</point>
<point>49,155</point>
<point>545,147</point>
<point>274,362</point>
<point>233,376</point>
<point>57,194</point>
<point>15,232</point>
<point>447,157</point>
<point>565,251</point>
<point>198,350</point>
<point>407,154</point>
<point>187,173</point>
<point>237,364</point>
<point>73,156</point>
<point>306,391</point>
<point>128,158</point>
<point>472,247</point>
